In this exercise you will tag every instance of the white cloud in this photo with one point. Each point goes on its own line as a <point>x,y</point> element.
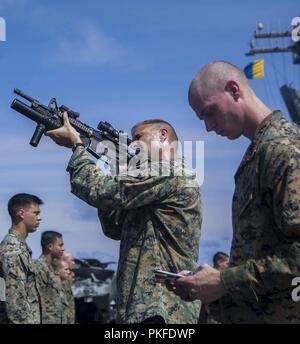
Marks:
<point>89,45</point>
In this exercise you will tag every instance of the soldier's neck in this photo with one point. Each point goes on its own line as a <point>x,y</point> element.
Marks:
<point>48,258</point>
<point>59,281</point>
<point>21,229</point>
<point>256,112</point>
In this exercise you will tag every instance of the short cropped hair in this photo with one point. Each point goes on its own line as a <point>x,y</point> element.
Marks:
<point>159,123</point>
<point>49,237</point>
<point>213,77</point>
<point>20,201</point>
<point>220,256</point>
<point>58,263</point>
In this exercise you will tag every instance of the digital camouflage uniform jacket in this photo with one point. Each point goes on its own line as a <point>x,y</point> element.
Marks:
<point>22,298</point>
<point>69,309</point>
<point>2,296</point>
<point>158,221</point>
<point>50,292</point>
<point>265,253</point>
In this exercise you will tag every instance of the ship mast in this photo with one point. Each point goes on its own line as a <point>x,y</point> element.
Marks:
<point>290,95</point>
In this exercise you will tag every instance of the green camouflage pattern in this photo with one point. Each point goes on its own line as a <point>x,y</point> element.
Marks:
<point>157,219</point>
<point>2,285</point>
<point>49,288</point>
<point>69,303</point>
<point>265,253</point>
<point>3,317</point>
<point>22,304</point>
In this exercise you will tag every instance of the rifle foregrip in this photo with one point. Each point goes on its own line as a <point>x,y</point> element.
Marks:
<point>37,135</point>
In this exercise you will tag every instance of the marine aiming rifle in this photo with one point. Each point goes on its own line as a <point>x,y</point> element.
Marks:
<point>99,142</point>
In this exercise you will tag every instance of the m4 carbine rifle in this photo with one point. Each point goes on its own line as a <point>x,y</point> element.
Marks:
<point>51,117</point>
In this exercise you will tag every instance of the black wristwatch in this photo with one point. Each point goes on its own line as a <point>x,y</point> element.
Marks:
<point>77,145</point>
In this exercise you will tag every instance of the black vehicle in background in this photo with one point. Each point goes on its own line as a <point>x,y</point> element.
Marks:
<point>94,291</point>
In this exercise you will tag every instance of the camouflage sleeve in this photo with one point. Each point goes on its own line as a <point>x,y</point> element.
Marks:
<point>17,306</point>
<point>120,192</point>
<point>280,175</point>
<point>42,274</point>
<point>111,194</point>
<point>111,222</point>
<point>90,184</point>
<point>2,284</point>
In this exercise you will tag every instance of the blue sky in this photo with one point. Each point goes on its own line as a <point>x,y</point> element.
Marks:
<point>123,62</point>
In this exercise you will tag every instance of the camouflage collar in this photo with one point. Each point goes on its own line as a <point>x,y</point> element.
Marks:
<point>160,167</point>
<point>19,238</point>
<point>266,123</point>
<point>176,160</point>
<point>45,261</point>
<point>270,120</point>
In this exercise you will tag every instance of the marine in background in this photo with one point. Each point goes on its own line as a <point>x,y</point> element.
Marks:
<point>23,303</point>
<point>50,290</point>
<point>62,271</point>
<point>67,285</point>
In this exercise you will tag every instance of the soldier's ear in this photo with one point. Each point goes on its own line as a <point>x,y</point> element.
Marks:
<point>21,214</point>
<point>234,89</point>
<point>163,134</point>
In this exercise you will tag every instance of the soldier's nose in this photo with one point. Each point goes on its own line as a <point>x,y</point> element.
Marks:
<point>208,126</point>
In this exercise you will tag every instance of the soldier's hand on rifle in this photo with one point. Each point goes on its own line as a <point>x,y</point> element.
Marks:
<point>66,135</point>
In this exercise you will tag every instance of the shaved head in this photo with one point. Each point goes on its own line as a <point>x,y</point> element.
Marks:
<point>222,98</point>
<point>59,263</point>
<point>158,124</point>
<point>212,79</point>
<point>67,255</point>
<point>68,258</point>
<point>61,268</point>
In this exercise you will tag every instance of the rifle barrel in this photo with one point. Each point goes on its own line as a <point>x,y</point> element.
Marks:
<point>50,123</point>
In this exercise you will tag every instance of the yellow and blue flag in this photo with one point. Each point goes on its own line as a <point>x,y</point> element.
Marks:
<point>255,69</point>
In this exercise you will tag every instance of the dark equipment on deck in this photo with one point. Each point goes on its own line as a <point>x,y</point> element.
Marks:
<point>291,97</point>
<point>94,292</point>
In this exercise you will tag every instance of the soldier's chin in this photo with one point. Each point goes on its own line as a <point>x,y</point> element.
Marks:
<point>233,136</point>
<point>33,229</point>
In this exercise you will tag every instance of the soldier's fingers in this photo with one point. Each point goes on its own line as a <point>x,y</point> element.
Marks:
<point>159,280</point>
<point>187,298</point>
<point>66,119</point>
<point>185,281</point>
<point>58,142</point>
<point>184,272</point>
<point>185,295</point>
<point>179,290</point>
<point>50,133</point>
<point>170,286</point>
<point>199,268</point>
